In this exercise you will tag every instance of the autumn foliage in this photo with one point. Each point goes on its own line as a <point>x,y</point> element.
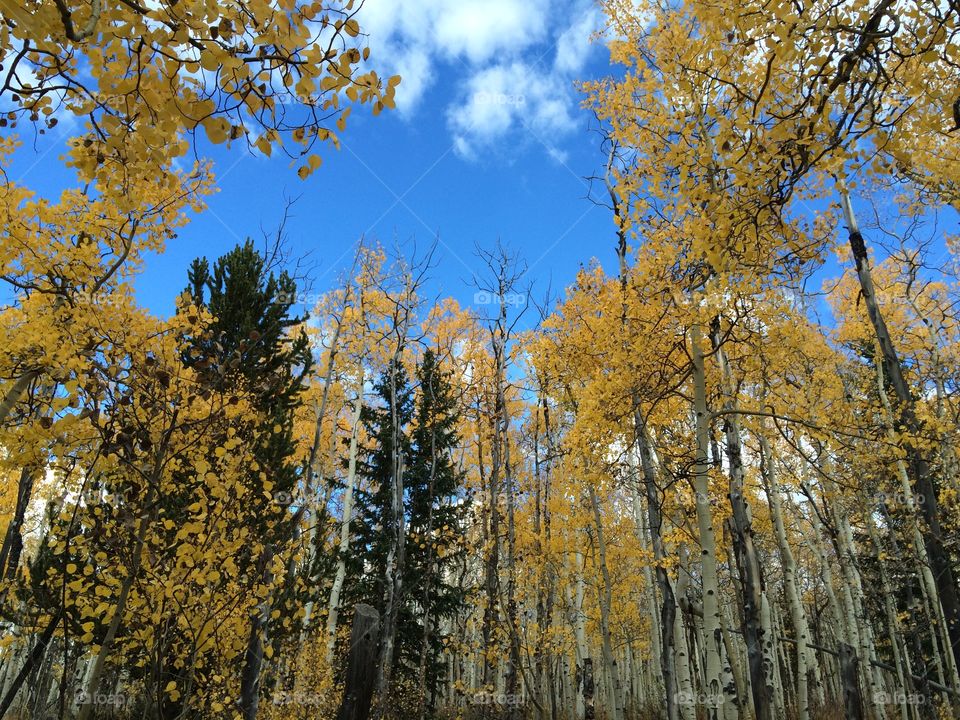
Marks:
<point>718,480</point>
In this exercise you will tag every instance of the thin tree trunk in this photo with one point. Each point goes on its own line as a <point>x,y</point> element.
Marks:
<point>685,700</point>
<point>708,546</point>
<point>393,578</point>
<point>904,682</point>
<point>668,609</point>
<point>925,488</point>
<point>944,660</point>
<point>797,616</point>
<point>343,546</point>
<point>606,600</point>
<point>748,566</point>
<point>17,391</point>
<point>575,604</point>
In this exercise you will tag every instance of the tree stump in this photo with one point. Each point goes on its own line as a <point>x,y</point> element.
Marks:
<point>589,712</point>
<point>361,664</point>
<point>852,702</point>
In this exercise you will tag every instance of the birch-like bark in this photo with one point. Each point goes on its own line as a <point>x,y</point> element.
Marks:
<point>923,481</point>
<point>685,701</point>
<point>797,615</point>
<point>712,639</point>
<point>343,544</point>
<point>757,638</point>
<point>606,600</point>
<point>546,587</point>
<point>904,681</point>
<point>668,609</point>
<point>575,604</point>
<point>13,539</point>
<point>393,576</point>
<point>16,391</point>
<point>771,652</point>
<point>858,628</point>
<point>945,660</point>
<point>738,691</point>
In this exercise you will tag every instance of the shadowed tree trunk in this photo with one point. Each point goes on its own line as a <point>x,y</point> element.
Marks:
<point>361,665</point>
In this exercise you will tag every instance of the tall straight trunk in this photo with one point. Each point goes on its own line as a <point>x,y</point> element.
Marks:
<point>737,693</point>
<point>733,708</point>
<point>798,617</point>
<point>944,660</point>
<point>393,575</point>
<point>712,638</point>
<point>513,664</point>
<point>575,598</point>
<point>650,589</point>
<point>649,586</point>
<point>491,569</point>
<point>685,700</point>
<point>834,611</point>
<point>924,487</point>
<point>343,545</point>
<point>312,473</point>
<point>606,600</point>
<point>668,608</point>
<point>858,627</point>
<point>546,587</point>
<point>904,681</point>
<point>911,602</point>
<point>748,566</point>
<point>774,652</point>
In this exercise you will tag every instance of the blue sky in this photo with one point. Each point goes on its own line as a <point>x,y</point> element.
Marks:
<point>489,141</point>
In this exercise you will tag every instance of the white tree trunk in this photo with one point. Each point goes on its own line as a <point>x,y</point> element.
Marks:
<point>712,640</point>
<point>343,545</point>
<point>615,688</point>
<point>797,615</point>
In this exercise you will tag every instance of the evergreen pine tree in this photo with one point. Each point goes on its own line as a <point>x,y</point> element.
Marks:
<point>252,351</point>
<point>366,564</point>
<point>437,514</point>
<point>434,507</point>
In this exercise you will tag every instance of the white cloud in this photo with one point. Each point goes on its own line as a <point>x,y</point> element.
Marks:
<point>502,97</point>
<point>480,30</point>
<point>414,67</point>
<point>502,51</point>
<point>574,44</point>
